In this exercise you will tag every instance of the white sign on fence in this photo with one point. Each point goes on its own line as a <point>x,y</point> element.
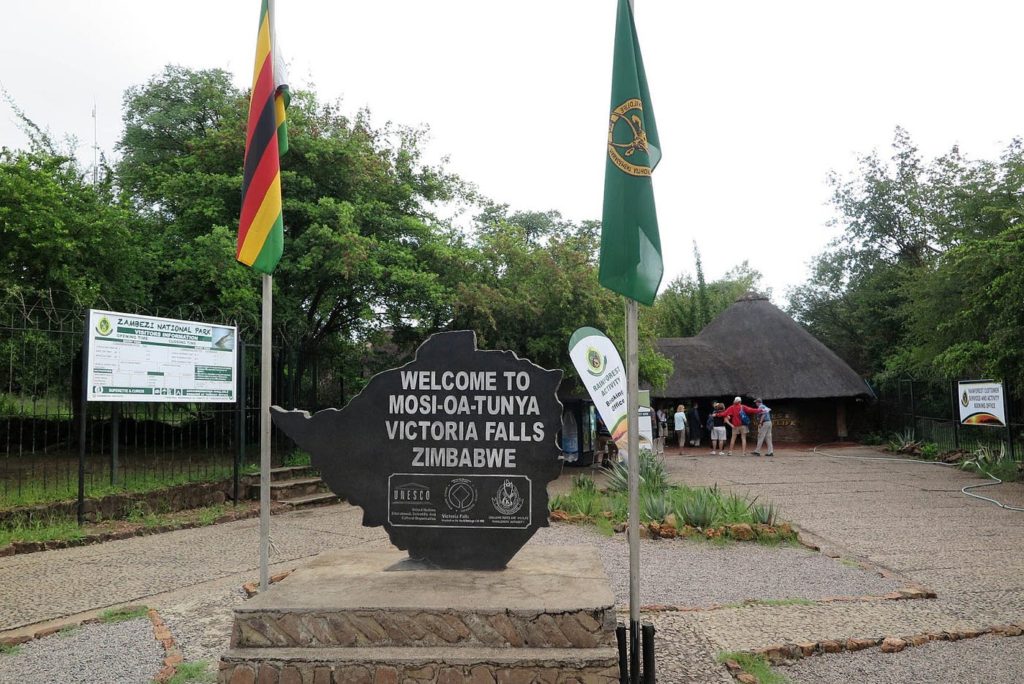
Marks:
<point>981,403</point>
<point>141,358</point>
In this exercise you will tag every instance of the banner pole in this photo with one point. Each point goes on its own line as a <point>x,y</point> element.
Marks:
<point>265,352</point>
<point>632,413</point>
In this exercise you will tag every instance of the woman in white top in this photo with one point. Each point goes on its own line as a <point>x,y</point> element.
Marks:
<point>680,425</point>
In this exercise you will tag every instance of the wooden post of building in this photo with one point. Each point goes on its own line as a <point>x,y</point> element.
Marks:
<point>841,430</point>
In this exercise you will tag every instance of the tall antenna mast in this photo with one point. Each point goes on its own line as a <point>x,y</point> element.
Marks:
<point>95,147</point>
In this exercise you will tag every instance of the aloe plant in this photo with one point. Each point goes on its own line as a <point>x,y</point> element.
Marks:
<point>701,510</point>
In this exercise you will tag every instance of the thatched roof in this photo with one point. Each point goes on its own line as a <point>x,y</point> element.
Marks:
<point>754,349</point>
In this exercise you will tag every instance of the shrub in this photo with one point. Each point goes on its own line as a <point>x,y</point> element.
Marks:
<point>901,441</point>
<point>764,514</point>
<point>699,510</point>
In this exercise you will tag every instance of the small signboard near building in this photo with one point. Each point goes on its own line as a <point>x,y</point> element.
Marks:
<point>142,358</point>
<point>981,402</point>
<point>451,453</point>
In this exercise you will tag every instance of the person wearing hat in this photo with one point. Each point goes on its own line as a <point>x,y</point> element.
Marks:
<point>736,417</point>
<point>764,430</point>
<point>718,428</point>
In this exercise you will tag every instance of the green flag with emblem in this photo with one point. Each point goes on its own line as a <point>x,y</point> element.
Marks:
<point>630,246</point>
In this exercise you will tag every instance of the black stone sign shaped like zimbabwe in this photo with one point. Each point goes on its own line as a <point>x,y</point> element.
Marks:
<point>451,453</point>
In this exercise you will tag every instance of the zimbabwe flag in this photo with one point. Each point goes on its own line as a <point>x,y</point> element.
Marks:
<point>261,228</point>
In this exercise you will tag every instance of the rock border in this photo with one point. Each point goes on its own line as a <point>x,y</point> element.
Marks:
<point>253,587</point>
<point>910,593</point>
<point>785,654</point>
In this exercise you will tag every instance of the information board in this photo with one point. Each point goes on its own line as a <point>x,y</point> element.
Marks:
<point>981,403</point>
<point>142,358</point>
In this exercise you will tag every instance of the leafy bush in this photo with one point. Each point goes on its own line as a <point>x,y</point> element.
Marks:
<point>929,451</point>
<point>996,464</point>
<point>653,476</point>
<point>872,439</point>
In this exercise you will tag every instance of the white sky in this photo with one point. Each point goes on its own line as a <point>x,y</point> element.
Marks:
<point>755,101</point>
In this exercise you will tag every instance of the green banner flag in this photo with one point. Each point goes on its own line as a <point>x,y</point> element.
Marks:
<point>630,246</point>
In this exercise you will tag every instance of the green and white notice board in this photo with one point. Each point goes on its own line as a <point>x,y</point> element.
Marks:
<point>142,358</point>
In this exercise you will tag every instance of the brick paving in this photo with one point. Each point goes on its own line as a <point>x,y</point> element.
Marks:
<point>906,518</point>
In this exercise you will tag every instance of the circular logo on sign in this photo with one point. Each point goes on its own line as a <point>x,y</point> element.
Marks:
<point>595,361</point>
<point>627,139</point>
<point>460,495</point>
<point>103,326</point>
<point>508,500</point>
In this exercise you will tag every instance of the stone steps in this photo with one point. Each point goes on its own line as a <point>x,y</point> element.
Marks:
<point>318,499</point>
<point>294,486</point>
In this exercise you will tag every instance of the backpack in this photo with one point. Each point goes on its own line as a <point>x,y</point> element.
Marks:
<point>744,417</point>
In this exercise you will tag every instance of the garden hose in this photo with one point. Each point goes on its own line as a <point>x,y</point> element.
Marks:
<point>963,490</point>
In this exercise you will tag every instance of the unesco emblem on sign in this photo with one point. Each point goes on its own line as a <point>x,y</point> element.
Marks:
<point>460,495</point>
<point>508,500</point>
<point>411,492</point>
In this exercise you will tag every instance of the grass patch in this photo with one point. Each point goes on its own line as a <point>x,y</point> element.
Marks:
<point>297,458</point>
<point>755,665</point>
<point>195,671</point>
<point>32,492</point>
<point>700,508</point>
<point>56,529</point>
<point>67,529</point>
<point>70,630</point>
<point>8,650</point>
<point>123,614</point>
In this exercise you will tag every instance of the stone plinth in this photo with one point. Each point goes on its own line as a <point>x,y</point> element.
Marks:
<point>377,616</point>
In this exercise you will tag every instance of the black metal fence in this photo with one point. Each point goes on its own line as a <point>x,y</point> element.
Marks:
<point>128,446</point>
<point>928,408</point>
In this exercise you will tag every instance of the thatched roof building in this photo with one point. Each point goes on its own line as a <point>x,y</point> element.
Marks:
<point>754,349</point>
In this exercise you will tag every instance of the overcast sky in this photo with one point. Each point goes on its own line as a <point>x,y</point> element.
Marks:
<point>755,101</point>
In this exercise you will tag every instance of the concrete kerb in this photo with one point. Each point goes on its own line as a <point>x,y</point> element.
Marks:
<point>785,654</point>
<point>172,654</point>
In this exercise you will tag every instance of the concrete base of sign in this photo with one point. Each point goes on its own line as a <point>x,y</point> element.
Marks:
<point>377,616</point>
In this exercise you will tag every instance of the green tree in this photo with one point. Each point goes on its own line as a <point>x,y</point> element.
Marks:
<point>363,250</point>
<point>61,234</point>
<point>532,282</point>
<point>688,304</point>
<point>924,281</point>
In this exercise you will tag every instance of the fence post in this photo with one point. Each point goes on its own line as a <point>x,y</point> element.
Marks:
<point>956,415</point>
<point>240,397</point>
<point>913,410</point>
<point>83,412</point>
<point>115,438</point>
<point>1009,419</point>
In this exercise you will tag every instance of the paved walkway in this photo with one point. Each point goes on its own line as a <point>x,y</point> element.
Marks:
<point>906,517</point>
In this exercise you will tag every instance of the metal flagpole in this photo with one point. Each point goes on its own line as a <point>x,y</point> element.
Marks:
<point>633,411</point>
<point>265,352</point>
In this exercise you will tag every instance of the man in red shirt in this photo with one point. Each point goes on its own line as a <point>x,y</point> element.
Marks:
<point>734,419</point>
